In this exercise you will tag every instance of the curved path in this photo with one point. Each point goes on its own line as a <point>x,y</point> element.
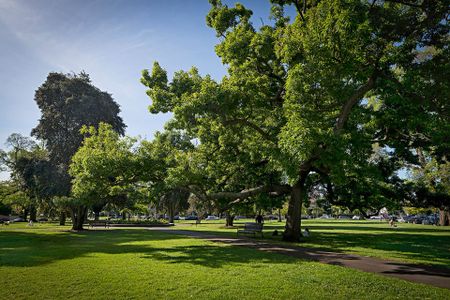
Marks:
<point>431,275</point>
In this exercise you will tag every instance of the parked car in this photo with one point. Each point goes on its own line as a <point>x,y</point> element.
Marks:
<point>356,217</point>
<point>324,217</point>
<point>376,218</point>
<point>343,217</point>
<point>42,220</point>
<point>208,218</point>
<point>19,219</point>
<point>191,218</point>
<point>240,217</point>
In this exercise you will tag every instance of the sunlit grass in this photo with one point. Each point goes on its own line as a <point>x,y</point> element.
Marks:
<point>47,262</point>
<point>423,244</point>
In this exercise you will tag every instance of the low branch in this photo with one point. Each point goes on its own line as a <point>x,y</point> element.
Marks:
<point>273,190</point>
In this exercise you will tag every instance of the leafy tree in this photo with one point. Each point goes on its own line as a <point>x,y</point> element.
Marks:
<point>295,91</point>
<point>67,103</point>
<point>430,186</point>
<point>103,170</point>
<point>163,162</point>
<point>30,169</point>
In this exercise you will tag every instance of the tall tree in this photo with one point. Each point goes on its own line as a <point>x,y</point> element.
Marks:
<point>67,102</point>
<point>295,91</point>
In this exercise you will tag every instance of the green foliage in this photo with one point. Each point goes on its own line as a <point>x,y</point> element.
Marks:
<point>67,103</point>
<point>104,166</point>
<point>294,102</point>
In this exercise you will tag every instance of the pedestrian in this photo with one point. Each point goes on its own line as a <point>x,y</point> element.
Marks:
<point>259,219</point>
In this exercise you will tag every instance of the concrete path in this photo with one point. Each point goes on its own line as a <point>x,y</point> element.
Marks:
<point>431,275</point>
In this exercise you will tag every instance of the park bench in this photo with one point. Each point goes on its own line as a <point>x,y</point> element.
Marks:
<point>99,223</point>
<point>251,228</point>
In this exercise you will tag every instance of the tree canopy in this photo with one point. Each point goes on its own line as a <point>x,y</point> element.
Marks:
<point>67,103</point>
<point>297,92</point>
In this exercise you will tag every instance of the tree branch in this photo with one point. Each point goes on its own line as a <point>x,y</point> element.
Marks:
<point>405,3</point>
<point>236,197</point>
<point>247,123</point>
<point>347,108</point>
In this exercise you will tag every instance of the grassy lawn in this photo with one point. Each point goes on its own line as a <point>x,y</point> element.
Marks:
<point>414,243</point>
<point>47,262</point>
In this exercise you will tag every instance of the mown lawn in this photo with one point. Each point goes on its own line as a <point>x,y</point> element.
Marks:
<point>46,262</point>
<point>413,243</point>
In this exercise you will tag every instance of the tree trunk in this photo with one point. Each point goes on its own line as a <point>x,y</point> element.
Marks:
<point>62,218</point>
<point>25,213</point>
<point>171,213</point>
<point>292,231</point>
<point>33,213</point>
<point>279,215</point>
<point>78,216</point>
<point>229,219</point>
<point>96,215</point>
<point>444,216</point>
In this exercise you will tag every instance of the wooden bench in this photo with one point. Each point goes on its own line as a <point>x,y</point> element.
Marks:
<point>251,228</point>
<point>100,223</point>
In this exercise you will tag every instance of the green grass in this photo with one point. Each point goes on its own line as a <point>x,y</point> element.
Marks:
<point>413,243</point>
<point>45,262</point>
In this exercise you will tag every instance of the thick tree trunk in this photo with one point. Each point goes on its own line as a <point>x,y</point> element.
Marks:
<point>292,231</point>
<point>62,218</point>
<point>279,215</point>
<point>444,216</point>
<point>78,216</point>
<point>229,219</point>
<point>33,213</point>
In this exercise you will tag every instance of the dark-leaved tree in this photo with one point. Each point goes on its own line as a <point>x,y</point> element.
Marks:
<point>67,102</point>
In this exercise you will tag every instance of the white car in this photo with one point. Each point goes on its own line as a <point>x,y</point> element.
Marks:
<point>208,218</point>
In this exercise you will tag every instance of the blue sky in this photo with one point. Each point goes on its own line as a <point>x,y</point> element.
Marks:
<point>110,40</point>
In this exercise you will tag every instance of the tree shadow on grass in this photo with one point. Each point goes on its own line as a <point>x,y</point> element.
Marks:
<point>404,243</point>
<point>431,249</point>
<point>20,249</point>
<point>213,256</point>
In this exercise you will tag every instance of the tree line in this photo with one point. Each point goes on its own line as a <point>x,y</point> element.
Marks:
<point>334,103</point>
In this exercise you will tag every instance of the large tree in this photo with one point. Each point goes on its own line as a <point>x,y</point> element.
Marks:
<point>104,170</point>
<point>296,91</point>
<point>68,102</point>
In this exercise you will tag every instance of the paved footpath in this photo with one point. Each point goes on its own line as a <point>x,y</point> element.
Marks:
<point>431,275</point>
